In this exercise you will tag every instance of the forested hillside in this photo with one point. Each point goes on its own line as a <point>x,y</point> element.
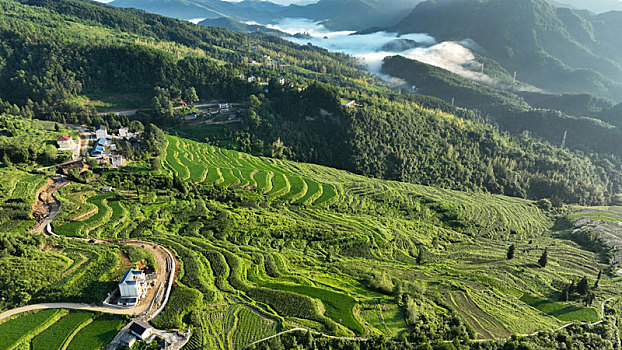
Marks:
<point>511,112</point>
<point>94,49</point>
<point>557,49</point>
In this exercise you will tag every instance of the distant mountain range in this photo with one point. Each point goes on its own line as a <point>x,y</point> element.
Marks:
<point>237,26</point>
<point>558,49</point>
<point>334,14</point>
<point>597,6</point>
<point>191,9</point>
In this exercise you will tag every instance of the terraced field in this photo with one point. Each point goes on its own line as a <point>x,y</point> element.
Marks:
<point>313,185</point>
<point>102,214</point>
<point>97,333</point>
<point>563,312</point>
<point>198,162</point>
<point>251,327</point>
<point>20,328</point>
<point>485,325</point>
<point>91,275</point>
<point>302,244</point>
<point>17,195</point>
<point>56,329</point>
<point>58,334</point>
<point>299,262</point>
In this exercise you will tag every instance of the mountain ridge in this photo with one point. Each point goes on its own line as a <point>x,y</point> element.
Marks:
<point>334,14</point>
<point>561,50</point>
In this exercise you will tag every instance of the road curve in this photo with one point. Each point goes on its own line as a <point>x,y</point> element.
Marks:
<point>156,298</point>
<point>71,306</point>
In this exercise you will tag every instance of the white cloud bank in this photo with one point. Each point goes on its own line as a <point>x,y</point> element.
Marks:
<point>453,56</point>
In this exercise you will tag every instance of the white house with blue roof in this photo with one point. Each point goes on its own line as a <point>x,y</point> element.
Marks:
<point>133,287</point>
<point>98,149</point>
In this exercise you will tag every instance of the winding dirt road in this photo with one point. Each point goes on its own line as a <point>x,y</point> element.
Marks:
<point>157,296</point>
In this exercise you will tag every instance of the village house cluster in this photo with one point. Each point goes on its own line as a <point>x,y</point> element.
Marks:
<point>105,150</point>
<point>215,114</point>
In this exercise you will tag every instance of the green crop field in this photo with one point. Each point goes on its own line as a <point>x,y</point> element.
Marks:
<point>191,160</point>
<point>56,335</point>
<point>15,330</point>
<point>96,334</point>
<point>17,195</point>
<point>327,249</point>
<point>251,327</point>
<point>268,244</point>
<point>80,228</point>
<point>339,307</point>
<point>564,312</point>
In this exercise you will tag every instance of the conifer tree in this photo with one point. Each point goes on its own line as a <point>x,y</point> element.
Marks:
<point>544,258</point>
<point>510,253</point>
<point>583,287</point>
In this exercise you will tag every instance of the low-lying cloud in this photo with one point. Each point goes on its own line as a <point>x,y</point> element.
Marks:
<point>372,48</point>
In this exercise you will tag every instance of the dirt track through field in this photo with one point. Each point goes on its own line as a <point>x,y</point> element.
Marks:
<point>485,325</point>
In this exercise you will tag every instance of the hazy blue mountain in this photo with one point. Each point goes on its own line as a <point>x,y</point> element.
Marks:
<point>189,9</point>
<point>353,14</point>
<point>334,14</point>
<point>597,6</point>
<point>559,49</point>
<point>232,24</point>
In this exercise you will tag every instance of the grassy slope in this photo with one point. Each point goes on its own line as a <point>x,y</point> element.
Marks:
<point>465,235</point>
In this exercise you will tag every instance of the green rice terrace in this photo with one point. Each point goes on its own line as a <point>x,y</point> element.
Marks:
<point>267,245</point>
<point>56,329</point>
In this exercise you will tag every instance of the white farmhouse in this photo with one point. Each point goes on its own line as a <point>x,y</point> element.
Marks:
<point>142,330</point>
<point>117,161</point>
<point>133,287</point>
<point>123,132</point>
<point>101,133</point>
<point>65,143</point>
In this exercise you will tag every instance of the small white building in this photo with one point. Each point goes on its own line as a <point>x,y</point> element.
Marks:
<point>101,133</point>
<point>281,80</point>
<point>251,79</point>
<point>117,161</point>
<point>133,287</point>
<point>65,143</point>
<point>128,340</point>
<point>141,329</point>
<point>223,107</point>
<point>123,132</point>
